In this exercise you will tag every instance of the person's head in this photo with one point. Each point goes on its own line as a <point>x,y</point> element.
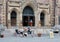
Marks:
<point>29,28</point>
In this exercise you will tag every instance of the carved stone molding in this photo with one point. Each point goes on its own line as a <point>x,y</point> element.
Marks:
<point>31,3</point>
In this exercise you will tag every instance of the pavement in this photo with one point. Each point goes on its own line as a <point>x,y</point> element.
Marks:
<point>30,39</point>
<point>43,38</point>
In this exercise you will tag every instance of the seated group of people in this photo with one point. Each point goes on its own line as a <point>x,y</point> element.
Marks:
<point>25,32</point>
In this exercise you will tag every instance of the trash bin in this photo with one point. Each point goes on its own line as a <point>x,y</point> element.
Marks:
<point>39,34</point>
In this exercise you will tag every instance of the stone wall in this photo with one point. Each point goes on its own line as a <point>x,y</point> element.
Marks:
<point>38,6</point>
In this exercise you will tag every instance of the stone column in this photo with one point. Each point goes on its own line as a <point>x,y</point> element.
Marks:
<point>39,22</point>
<point>4,12</point>
<point>18,19</point>
<point>56,19</point>
<point>35,20</point>
<point>52,11</point>
<point>9,21</point>
<point>49,20</point>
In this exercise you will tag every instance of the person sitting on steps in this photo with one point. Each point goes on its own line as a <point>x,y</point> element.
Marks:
<point>18,32</point>
<point>29,31</point>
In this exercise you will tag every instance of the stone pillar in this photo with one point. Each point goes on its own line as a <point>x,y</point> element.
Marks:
<point>39,22</point>
<point>18,19</point>
<point>51,9</point>
<point>9,21</point>
<point>35,20</point>
<point>47,20</point>
<point>56,20</point>
<point>4,13</point>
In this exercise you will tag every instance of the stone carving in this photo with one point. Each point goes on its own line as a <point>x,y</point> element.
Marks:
<point>32,2</point>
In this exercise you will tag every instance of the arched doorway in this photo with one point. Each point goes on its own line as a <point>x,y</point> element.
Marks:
<point>28,16</point>
<point>42,18</point>
<point>13,18</point>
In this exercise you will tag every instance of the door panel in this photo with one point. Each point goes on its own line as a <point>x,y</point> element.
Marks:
<point>13,21</point>
<point>27,19</point>
<point>42,18</point>
<point>28,15</point>
<point>13,18</point>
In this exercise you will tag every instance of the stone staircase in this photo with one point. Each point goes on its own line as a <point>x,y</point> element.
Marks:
<point>44,27</point>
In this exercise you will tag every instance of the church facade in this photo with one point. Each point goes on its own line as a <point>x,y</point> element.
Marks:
<point>33,13</point>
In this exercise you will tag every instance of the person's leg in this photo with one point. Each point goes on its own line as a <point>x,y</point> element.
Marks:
<point>25,35</point>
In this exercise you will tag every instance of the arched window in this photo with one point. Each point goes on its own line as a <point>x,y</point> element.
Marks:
<point>42,18</point>
<point>28,11</point>
<point>28,15</point>
<point>13,18</point>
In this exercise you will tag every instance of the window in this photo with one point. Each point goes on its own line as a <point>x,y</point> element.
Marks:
<point>28,16</point>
